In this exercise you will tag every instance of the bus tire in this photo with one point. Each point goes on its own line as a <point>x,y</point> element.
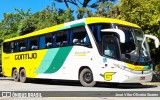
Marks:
<point>23,77</point>
<point>15,75</point>
<point>86,78</point>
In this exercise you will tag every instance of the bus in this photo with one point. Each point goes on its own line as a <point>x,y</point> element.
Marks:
<point>89,50</point>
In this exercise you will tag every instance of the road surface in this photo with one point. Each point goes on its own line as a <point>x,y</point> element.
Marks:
<point>7,84</point>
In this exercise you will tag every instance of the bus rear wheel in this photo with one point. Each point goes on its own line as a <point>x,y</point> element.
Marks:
<point>23,77</point>
<point>15,75</point>
<point>86,78</point>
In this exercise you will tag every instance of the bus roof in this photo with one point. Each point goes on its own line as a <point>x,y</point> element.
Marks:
<point>90,20</point>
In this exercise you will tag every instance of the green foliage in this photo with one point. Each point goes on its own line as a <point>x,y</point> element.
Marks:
<point>83,3</point>
<point>142,12</point>
<point>52,16</point>
<point>86,8</point>
<point>100,10</point>
<point>157,67</point>
<point>25,22</point>
<point>21,23</point>
<point>27,25</point>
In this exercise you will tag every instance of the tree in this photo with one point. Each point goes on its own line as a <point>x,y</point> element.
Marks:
<point>11,22</point>
<point>42,19</point>
<point>83,3</point>
<point>142,12</point>
<point>52,16</point>
<point>86,7</point>
<point>26,26</point>
<point>22,22</point>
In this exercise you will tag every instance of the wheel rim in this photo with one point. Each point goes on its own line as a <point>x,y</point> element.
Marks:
<point>88,77</point>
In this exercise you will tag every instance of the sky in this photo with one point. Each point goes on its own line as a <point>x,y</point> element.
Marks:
<point>7,6</point>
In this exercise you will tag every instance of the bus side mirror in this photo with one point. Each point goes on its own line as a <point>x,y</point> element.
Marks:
<point>118,31</point>
<point>156,40</point>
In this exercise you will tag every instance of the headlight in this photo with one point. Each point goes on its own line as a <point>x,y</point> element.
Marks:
<point>128,69</point>
<point>124,68</point>
<point>133,71</point>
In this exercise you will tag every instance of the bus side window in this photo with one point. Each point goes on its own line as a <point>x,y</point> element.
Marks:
<point>62,38</point>
<point>80,36</point>
<point>109,46</point>
<point>22,45</point>
<point>58,39</point>
<point>49,41</point>
<point>96,30</point>
<point>13,47</point>
<point>6,47</point>
<point>34,43</point>
<point>54,40</point>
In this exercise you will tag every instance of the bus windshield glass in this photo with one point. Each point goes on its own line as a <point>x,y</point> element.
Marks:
<point>134,49</point>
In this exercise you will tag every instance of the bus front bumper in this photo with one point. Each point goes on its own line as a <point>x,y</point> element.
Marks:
<point>134,77</point>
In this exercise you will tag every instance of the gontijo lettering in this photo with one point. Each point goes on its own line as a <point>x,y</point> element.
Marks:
<point>26,56</point>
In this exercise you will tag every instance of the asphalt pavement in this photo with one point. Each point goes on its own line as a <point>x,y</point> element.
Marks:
<point>7,84</point>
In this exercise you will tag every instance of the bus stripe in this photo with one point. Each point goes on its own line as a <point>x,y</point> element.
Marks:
<point>47,60</point>
<point>59,59</point>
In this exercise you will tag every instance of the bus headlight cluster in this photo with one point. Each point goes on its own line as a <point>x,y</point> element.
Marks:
<point>124,68</point>
<point>133,71</point>
<point>129,70</point>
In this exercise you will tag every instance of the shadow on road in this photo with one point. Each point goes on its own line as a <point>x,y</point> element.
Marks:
<point>99,85</point>
<point>132,86</point>
<point>77,83</point>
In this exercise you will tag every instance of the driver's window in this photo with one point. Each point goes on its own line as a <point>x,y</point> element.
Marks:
<point>109,46</point>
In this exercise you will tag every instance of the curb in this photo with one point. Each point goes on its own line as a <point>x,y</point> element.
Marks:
<point>6,78</point>
<point>151,83</point>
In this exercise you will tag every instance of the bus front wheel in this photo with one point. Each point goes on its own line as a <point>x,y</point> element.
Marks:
<point>86,78</point>
<point>15,75</point>
<point>23,77</point>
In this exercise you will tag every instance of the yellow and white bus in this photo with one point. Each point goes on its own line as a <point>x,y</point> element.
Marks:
<point>90,50</point>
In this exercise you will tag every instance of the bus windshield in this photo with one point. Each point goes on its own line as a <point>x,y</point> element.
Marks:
<point>134,49</point>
